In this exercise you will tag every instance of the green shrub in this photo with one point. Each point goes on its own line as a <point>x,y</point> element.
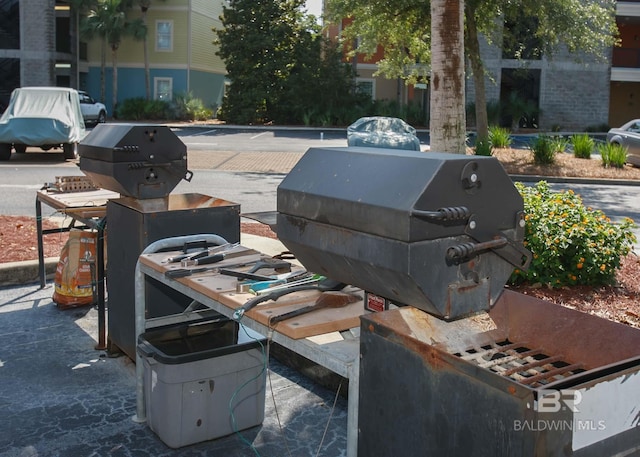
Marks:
<point>499,137</point>
<point>583,145</point>
<point>571,244</point>
<point>156,110</point>
<point>188,108</point>
<point>613,155</point>
<point>131,109</point>
<point>559,143</point>
<point>543,152</point>
<point>139,108</point>
<point>483,147</point>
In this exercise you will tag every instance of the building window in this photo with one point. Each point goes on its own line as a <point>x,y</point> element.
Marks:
<point>366,86</point>
<point>162,89</point>
<point>10,24</point>
<point>164,36</point>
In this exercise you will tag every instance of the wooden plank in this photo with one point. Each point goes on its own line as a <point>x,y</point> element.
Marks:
<point>314,323</point>
<point>62,200</point>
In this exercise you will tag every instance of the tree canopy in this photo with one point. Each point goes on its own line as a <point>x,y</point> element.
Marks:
<point>546,27</point>
<point>279,66</point>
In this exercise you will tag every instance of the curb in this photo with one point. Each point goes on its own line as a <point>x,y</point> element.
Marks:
<point>25,272</point>
<point>573,180</point>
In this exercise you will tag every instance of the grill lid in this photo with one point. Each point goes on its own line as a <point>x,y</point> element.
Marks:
<point>441,232</point>
<point>140,161</point>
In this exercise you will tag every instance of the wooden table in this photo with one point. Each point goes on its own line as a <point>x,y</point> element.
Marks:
<point>90,209</point>
<point>338,350</point>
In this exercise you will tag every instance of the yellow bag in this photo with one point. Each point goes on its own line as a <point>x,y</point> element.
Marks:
<point>75,274</point>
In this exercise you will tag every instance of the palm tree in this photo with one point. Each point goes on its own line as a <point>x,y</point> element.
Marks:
<point>144,7</point>
<point>447,124</point>
<point>107,20</point>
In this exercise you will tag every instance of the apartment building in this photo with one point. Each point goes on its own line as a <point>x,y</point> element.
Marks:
<point>39,46</point>
<point>624,103</point>
<point>31,50</point>
<point>181,55</point>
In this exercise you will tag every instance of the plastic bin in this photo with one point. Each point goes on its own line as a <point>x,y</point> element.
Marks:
<point>191,372</point>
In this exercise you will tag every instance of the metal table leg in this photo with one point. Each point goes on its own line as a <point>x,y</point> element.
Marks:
<point>102,333</point>
<point>41,266</point>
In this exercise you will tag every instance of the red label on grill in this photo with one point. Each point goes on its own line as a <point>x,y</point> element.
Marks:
<point>374,302</point>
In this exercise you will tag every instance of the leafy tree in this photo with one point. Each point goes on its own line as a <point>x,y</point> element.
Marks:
<point>403,28</point>
<point>279,66</point>
<point>106,19</point>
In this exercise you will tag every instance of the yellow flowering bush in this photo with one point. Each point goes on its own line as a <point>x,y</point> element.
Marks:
<point>571,244</point>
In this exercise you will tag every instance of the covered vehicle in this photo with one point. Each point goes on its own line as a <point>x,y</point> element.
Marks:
<point>628,136</point>
<point>382,132</point>
<point>45,117</point>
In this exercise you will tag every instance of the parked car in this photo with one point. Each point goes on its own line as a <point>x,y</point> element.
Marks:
<point>382,132</point>
<point>93,112</point>
<point>628,136</point>
<point>46,117</point>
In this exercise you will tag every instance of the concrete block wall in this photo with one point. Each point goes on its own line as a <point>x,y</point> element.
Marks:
<point>574,96</point>
<point>37,43</point>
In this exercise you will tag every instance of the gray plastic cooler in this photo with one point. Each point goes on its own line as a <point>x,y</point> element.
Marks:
<point>191,372</point>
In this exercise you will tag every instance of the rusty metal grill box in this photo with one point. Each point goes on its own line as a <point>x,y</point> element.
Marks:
<point>140,161</point>
<point>441,232</point>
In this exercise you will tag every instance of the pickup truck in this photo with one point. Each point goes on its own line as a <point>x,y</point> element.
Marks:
<point>44,117</point>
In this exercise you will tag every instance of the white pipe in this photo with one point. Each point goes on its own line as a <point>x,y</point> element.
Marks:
<point>175,242</point>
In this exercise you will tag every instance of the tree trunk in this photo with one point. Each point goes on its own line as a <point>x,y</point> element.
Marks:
<point>477,69</point>
<point>447,124</point>
<point>103,66</point>
<point>145,50</point>
<point>114,95</point>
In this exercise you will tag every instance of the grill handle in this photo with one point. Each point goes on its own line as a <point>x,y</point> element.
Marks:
<point>458,214</point>
<point>466,251</point>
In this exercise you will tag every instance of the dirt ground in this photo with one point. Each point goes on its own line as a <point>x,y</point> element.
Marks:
<point>619,302</point>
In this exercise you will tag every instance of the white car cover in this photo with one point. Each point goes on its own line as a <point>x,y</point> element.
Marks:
<point>39,116</point>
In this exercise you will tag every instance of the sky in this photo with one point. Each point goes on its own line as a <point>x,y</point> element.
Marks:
<point>314,7</point>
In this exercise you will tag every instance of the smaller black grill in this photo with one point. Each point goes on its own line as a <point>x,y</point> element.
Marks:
<point>140,161</point>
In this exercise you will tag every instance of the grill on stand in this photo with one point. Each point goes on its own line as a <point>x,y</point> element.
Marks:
<point>144,163</point>
<point>465,369</point>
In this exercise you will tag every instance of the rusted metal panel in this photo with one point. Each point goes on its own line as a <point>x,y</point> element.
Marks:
<point>493,385</point>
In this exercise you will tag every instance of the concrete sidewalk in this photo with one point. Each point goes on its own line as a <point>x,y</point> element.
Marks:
<point>62,398</point>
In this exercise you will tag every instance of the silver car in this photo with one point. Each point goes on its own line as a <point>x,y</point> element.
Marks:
<point>382,132</point>
<point>93,112</point>
<point>628,136</point>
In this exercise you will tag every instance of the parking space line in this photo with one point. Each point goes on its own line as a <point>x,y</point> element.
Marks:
<point>258,135</point>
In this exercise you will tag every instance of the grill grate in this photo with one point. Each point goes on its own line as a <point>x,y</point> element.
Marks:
<point>517,361</point>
